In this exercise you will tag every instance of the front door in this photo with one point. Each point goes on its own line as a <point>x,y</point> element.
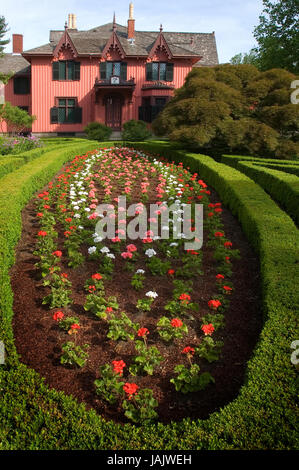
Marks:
<point>113,112</point>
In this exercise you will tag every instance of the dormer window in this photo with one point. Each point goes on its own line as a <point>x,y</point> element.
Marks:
<point>159,71</point>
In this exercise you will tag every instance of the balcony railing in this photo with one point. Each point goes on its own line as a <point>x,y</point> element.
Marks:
<point>115,83</point>
<point>158,85</point>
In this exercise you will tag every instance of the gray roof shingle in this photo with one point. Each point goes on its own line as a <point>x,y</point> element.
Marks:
<point>94,40</point>
<point>14,63</point>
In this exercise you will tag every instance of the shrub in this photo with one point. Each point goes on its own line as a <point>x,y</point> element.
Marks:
<point>16,118</point>
<point>97,131</point>
<point>135,131</point>
<point>233,108</point>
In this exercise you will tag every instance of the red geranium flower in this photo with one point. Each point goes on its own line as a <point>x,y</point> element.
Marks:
<point>58,316</point>
<point>142,332</point>
<point>57,253</point>
<point>208,329</point>
<point>185,297</point>
<point>75,326</point>
<point>131,248</point>
<point>130,389</point>
<point>227,289</point>
<point>42,233</point>
<point>228,244</point>
<point>118,366</point>
<point>96,276</point>
<point>219,234</point>
<point>219,276</point>
<point>176,323</point>
<point>214,304</point>
<point>171,272</point>
<point>188,350</point>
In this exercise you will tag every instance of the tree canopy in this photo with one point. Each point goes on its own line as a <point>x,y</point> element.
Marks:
<point>3,43</point>
<point>234,108</point>
<point>3,31</point>
<point>277,35</point>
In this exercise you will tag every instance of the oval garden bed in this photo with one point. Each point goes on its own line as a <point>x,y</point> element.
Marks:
<point>137,329</point>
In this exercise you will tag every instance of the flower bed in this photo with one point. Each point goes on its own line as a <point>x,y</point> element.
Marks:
<point>18,144</point>
<point>145,319</point>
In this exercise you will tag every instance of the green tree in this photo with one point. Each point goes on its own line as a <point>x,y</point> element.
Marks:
<point>277,35</point>
<point>250,57</point>
<point>233,108</point>
<point>3,43</point>
<point>3,31</point>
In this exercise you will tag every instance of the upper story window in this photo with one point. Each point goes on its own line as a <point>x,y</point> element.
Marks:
<point>21,85</point>
<point>113,69</point>
<point>159,71</point>
<point>66,70</point>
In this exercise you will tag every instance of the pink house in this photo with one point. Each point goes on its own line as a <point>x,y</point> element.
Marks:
<point>109,74</point>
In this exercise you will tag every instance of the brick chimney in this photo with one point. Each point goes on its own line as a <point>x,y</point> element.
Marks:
<point>17,43</point>
<point>131,22</point>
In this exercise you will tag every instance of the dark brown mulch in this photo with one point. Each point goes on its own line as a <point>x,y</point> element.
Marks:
<point>38,338</point>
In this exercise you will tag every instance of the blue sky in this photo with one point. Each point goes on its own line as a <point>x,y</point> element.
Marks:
<point>232,20</point>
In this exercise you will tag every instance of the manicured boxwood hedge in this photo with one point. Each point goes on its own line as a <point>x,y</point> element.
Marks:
<point>11,162</point>
<point>293,169</point>
<point>264,414</point>
<point>282,187</point>
<point>232,160</point>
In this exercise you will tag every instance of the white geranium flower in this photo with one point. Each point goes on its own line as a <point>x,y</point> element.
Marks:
<point>110,255</point>
<point>152,294</point>
<point>92,250</point>
<point>77,216</point>
<point>150,252</point>
<point>105,249</point>
<point>140,271</point>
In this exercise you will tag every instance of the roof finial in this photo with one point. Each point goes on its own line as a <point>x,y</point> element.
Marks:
<point>161,28</point>
<point>65,25</point>
<point>114,22</point>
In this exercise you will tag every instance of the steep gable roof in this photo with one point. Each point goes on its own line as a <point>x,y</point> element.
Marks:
<point>94,40</point>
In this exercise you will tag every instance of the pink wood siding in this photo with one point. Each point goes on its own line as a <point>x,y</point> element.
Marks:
<point>45,91</point>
